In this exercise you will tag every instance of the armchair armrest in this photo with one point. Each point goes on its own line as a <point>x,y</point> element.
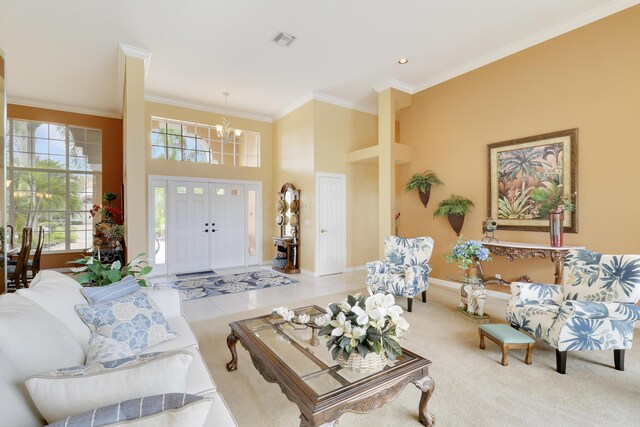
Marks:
<point>375,267</point>
<point>523,293</point>
<point>600,310</point>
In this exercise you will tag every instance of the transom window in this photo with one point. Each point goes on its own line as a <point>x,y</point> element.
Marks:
<point>54,174</point>
<point>198,143</point>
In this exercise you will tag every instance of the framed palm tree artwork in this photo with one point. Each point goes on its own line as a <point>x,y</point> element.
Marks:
<point>522,171</point>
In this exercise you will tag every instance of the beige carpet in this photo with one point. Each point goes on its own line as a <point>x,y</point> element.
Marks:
<point>472,387</point>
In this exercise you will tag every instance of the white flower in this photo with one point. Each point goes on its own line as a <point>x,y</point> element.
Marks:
<point>341,325</point>
<point>402,326</point>
<point>322,320</point>
<point>285,313</point>
<point>303,318</point>
<point>363,317</point>
<point>355,334</point>
<point>90,261</point>
<point>345,306</point>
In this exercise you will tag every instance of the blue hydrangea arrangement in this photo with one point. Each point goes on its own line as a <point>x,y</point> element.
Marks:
<point>464,253</point>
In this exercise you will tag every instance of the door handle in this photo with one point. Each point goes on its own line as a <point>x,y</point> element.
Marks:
<point>206,224</point>
<point>206,231</point>
<point>323,230</point>
<point>213,231</point>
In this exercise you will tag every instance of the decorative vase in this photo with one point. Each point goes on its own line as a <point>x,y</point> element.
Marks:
<point>456,221</point>
<point>556,232</point>
<point>425,195</point>
<point>372,362</point>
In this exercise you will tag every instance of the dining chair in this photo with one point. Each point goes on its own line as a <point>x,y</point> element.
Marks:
<point>33,264</point>
<point>18,273</point>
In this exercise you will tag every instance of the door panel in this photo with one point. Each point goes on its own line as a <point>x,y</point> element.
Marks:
<point>228,243</point>
<point>188,248</point>
<point>332,224</point>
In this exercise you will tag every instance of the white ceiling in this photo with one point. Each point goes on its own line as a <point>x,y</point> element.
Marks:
<point>65,53</point>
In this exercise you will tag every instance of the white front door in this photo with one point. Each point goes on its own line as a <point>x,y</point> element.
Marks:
<point>228,216</point>
<point>332,223</point>
<point>188,248</point>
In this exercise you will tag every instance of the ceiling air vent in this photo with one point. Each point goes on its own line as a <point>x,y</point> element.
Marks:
<point>284,39</point>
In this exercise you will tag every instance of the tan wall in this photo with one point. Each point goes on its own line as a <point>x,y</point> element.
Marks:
<point>339,130</point>
<point>589,79</point>
<point>111,155</point>
<point>199,170</point>
<point>316,138</point>
<point>293,161</point>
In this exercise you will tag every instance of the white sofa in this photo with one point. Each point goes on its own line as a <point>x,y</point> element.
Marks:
<point>40,331</point>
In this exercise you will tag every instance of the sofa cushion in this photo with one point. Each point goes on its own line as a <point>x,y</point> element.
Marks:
<point>119,289</point>
<point>162,410</point>
<point>16,407</point>
<point>105,349</point>
<point>219,415</point>
<point>64,392</point>
<point>34,340</point>
<point>185,337</point>
<point>59,294</point>
<point>133,319</point>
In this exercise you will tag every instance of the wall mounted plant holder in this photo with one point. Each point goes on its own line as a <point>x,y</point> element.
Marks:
<point>423,182</point>
<point>454,208</point>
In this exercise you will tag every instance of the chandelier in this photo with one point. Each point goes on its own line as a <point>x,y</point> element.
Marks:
<point>226,133</point>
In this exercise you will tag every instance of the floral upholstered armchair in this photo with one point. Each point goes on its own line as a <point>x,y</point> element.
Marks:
<point>594,309</point>
<point>405,270</point>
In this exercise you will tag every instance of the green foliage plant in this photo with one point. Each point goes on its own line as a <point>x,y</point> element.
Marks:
<point>109,197</point>
<point>550,198</point>
<point>94,273</point>
<point>421,181</point>
<point>518,208</point>
<point>454,205</point>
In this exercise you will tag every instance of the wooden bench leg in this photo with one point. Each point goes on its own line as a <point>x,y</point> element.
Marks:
<point>528,359</point>
<point>505,350</point>
<point>481,339</point>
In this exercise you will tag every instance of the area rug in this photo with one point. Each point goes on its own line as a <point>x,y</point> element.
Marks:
<point>472,387</point>
<point>211,286</point>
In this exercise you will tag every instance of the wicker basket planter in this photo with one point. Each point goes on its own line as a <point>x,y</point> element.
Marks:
<point>366,365</point>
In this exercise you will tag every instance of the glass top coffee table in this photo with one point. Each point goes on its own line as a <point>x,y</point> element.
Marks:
<point>299,361</point>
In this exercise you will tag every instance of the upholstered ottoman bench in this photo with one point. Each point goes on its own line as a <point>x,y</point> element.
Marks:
<point>507,338</point>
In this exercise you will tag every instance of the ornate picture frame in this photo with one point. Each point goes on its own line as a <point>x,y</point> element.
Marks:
<point>519,165</point>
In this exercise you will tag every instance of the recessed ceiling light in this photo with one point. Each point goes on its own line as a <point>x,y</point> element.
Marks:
<point>284,39</point>
<point>403,61</point>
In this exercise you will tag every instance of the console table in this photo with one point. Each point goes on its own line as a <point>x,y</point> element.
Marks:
<point>518,250</point>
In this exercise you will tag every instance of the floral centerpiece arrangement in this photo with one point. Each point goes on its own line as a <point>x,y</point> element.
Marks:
<point>465,254</point>
<point>362,333</point>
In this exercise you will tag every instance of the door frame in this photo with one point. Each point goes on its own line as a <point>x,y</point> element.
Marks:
<point>168,178</point>
<point>343,232</point>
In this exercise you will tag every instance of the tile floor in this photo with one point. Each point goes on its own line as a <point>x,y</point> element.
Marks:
<point>307,287</point>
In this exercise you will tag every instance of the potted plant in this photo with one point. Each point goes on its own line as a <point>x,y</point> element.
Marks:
<point>94,273</point>
<point>454,208</point>
<point>423,182</point>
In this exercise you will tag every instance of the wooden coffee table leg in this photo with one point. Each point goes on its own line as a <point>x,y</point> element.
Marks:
<point>427,385</point>
<point>231,343</point>
<point>304,422</point>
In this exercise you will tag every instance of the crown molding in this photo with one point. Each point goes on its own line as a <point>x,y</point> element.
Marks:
<point>202,107</point>
<point>564,27</point>
<point>395,84</point>
<point>34,103</point>
<point>132,52</point>
<point>291,108</point>
<point>319,96</point>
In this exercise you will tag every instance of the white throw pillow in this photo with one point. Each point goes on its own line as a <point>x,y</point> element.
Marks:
<point>59,294</point>
<point>105,349</point>
<point>64,392</point>
<point>34,340</point>
<point>163,410</point>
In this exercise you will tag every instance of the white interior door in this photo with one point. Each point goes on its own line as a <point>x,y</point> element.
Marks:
<point>332,223</point>
<point>188,247</point>
<point>228,214</point>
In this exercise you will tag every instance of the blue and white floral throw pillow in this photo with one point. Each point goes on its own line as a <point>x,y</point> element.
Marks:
<point>105,349</point>
<point>134,320</point>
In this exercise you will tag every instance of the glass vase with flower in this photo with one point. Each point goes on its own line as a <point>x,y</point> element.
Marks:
<point>550,202</point>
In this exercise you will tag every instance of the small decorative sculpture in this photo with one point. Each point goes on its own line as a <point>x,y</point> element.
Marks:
<point>489,228</point>
<point>476,297</point>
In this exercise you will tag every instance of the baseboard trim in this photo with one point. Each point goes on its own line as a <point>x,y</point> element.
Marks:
<point>455,285</point>
<point>356,268</point>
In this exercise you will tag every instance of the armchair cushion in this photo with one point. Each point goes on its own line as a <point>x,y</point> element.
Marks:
<point>523,293</point>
